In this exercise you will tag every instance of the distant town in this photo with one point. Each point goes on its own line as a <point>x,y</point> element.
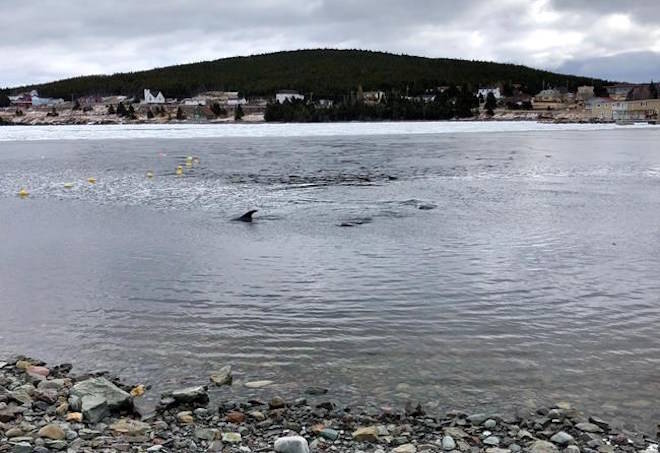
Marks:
<point>620,103</point>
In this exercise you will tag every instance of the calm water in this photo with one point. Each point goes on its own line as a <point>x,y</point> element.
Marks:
<point>535,279</point>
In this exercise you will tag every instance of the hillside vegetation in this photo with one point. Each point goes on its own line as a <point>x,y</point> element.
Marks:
<point>325,73</point>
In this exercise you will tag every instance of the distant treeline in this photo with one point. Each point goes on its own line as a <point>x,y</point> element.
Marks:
<point>323,73</point>
<point>452,103</point>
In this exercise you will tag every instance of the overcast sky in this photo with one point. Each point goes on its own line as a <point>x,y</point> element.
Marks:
<point>43,40</point>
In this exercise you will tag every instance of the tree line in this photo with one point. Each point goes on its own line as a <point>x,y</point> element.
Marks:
<point>451,103</point>
<point>321,72</point>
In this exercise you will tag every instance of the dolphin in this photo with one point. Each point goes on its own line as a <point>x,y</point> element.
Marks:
<point>247,217</point>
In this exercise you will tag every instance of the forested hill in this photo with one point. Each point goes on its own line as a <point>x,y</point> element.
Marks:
<point>325,73</point>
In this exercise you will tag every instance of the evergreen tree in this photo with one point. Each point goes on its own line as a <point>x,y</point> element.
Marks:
<point>4,98</point>
<point>76,105</point>
<point>653,89</point>
<point>111,110</point>
<point>238,113</point>
<point>507,90</point>
<point>131,112</point>
<point>150,114</point>
<point>121,109</point>
<point>179,114</point>
<point>491,103</point>
<point>218,110</point>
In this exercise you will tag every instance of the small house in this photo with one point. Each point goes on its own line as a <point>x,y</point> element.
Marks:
<point>483,93</point>
<point>151,99</point>
<point>288,95</point>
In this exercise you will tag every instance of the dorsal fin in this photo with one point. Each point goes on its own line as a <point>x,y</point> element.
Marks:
<point>247,217</point>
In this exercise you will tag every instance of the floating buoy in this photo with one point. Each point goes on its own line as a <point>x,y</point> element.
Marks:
<point>189,158</point>
<point>150,174</point>
<point>23,193</point>
<point>91,180</point>
<point>179,170</point>
<point>196,160</point>
<point>68,185</point>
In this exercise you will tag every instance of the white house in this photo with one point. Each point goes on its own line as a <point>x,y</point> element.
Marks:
<point>483,92</point>
<point>288,95</point>
<point>235,100</point>
<point>373,97</point>
<point>151,99</point>
<point>196,101</point>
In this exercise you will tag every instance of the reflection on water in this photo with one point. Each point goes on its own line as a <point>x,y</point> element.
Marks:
<point>531,273</point>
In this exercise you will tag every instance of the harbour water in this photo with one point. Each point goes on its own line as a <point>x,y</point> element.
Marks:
<point>529,276</point>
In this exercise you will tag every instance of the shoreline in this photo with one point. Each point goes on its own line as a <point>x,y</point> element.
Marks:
<point>71,118</point>
<point>47,408</point>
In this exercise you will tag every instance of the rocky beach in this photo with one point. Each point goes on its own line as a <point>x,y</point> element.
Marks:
<point>47,408</point>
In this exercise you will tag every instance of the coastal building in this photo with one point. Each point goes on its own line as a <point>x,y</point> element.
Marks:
<point>197,100</point>
<point>287,95</point>
<point>38,101</point>
<point>234,100</point>
<point>483,93</point>
<point>584,92</point>
<point>619,92</point>
<point>22,100</point>
<point>325,103</point>
<point>151,99</point>
<point>599,108</point>
<point>548,99</point>
<point>373,97</point>
<point>639,110</point>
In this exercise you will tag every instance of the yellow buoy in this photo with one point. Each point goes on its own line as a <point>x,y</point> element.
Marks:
<point>189,163</point>
<point>150,174</point>
<point>179,170</point>
<point>91,180</point>
<point>23,193</point>
<point>196,160</point>
<point>138,390</point>
<point>189,158</point>
<point>68,185</point>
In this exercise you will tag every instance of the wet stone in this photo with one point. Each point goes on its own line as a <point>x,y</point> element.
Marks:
<point>562,438</point>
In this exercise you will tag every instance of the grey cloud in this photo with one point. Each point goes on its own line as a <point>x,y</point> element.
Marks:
<point>75,37</point>
<point>630,67</point>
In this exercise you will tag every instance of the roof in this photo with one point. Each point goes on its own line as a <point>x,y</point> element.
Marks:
<point>287,92</point>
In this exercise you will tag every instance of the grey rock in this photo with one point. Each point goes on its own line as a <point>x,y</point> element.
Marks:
<point>291,444</point>
<point>448,443</point>
<point>22,447</point>
<point>589,427</point>
<point>195,395</point>
<point>9,413</point>
<point>515,448</point>
<point>405,448</point>
<point>600,422</point>
<point>94,408</point>
<point>222,376</point>
<point>316,391</point>
<point>56,444</point>
<point>99,396</point>
<point>57,384</point>
<point>490,424</point>
<point>75,403</point>
<point>492,441</point>
<point>206,434</point>
<point>572,449</point>
<point>330,434</point>
<point>562,438</point>
<point>477,419</point>
<point>542,446</point>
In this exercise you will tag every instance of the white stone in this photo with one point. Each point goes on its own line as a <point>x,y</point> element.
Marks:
<point>291,444</point>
